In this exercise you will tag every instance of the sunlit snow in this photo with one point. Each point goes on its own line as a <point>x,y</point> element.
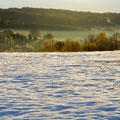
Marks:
<point>76,86</point>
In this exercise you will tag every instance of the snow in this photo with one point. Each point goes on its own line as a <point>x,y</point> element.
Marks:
<point>42,86</point>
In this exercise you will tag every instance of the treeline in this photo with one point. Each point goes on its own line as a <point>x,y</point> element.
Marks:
<point>55,19</point>
<point>35,42</point>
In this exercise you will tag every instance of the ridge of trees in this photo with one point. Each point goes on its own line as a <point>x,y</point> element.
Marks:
<point>55,19</point>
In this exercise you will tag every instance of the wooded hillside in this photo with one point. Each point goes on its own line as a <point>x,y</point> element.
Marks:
<point>54,19</point>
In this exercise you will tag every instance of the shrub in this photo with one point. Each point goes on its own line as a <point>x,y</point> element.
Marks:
<point>71,46</point>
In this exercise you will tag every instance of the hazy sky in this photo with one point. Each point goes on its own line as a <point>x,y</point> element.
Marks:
<point>82,5</point>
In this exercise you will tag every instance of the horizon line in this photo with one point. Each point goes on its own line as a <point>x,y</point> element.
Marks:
<point>61,9</point>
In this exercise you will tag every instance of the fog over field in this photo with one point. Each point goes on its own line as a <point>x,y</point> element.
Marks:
<point>76,35</point>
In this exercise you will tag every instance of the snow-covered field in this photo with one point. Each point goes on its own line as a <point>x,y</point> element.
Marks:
<point>48,86</point>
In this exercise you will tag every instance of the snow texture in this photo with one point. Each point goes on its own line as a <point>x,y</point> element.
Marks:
<point>48,86</point>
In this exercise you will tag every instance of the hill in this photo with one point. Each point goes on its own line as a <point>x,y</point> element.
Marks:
<point>55,19</point>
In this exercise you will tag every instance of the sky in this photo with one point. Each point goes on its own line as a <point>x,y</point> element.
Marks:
<point>79,5</point>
